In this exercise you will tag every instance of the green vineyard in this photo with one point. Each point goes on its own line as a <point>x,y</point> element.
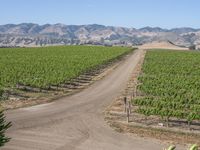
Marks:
<point>42,67</point>
<point>169,85</point>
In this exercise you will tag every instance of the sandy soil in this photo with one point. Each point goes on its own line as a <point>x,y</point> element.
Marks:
<point>77,122</point>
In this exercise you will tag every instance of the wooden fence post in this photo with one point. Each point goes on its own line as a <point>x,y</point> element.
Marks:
<point>125,104</point>
<point>129,107</point>
<point>127,115</point>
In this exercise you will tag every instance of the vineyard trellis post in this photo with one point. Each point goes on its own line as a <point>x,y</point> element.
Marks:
<point>128,115</point>
<point>125,104</point>
<point>129,106</point>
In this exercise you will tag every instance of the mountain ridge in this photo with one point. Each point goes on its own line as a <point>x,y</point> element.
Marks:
<point>31,34</point>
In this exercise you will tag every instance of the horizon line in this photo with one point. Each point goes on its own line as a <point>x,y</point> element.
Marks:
<point>100,25</point>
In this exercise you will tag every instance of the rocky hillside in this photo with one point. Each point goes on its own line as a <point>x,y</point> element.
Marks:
<point>28,34</point>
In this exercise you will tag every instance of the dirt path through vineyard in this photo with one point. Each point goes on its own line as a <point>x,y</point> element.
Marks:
<point>77,122</point>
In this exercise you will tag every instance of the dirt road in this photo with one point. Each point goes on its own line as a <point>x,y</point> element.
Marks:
<point>77,122</point>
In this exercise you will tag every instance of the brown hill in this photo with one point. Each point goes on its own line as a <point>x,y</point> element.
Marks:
<point>161,45</point>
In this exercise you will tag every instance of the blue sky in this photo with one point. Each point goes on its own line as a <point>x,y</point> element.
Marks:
<point>127,13</point>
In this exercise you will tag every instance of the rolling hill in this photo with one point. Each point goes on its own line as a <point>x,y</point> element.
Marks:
<point>29,34</point>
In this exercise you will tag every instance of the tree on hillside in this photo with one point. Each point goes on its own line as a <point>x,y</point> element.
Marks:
<point>192,47</point>
<point>3,127</point>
